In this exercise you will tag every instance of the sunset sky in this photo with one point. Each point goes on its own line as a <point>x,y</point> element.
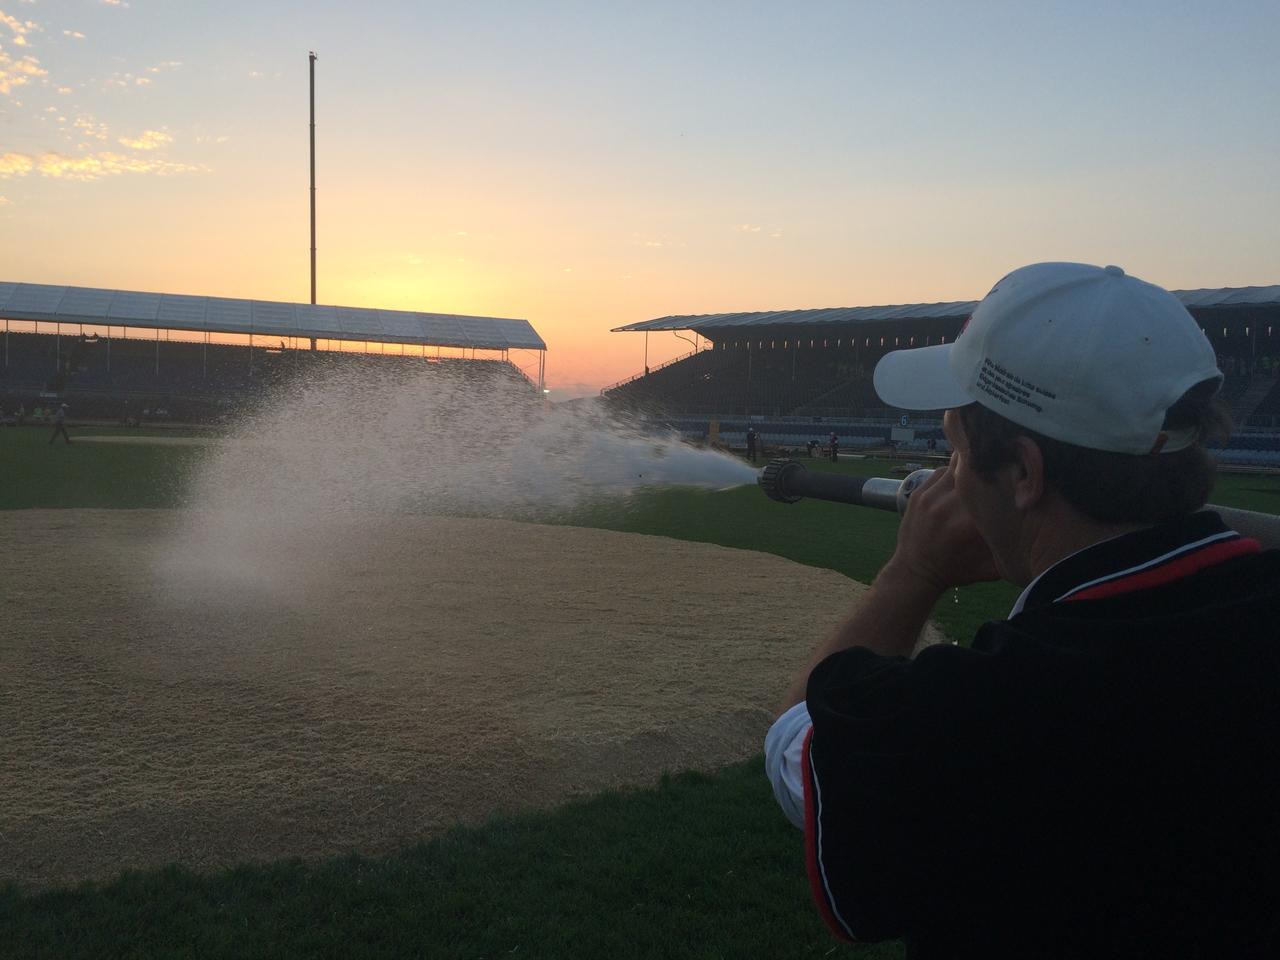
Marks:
<point>586,165</point>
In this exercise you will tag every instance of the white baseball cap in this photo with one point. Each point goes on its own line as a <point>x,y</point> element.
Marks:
<point>1082,354</point>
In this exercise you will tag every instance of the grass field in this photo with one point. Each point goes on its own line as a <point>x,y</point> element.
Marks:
<point>697,866</point>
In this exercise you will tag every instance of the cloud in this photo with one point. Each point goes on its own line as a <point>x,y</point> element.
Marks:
<point>74,34</point>
<point>90,127</point>
<point>15,165</point>
<point>3,200</point>
<point>93,166</point>
<point>64,90</point>
<point>209,138</point>
<point>123,4</point>
<point>130,79</point>
<point>640,240</point>
<point>756,228</point>
<point>16,73</point>
<point>149,140</point>
<point>20,28</point>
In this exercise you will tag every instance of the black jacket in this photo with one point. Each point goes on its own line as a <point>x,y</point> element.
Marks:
<point>1097,776</point>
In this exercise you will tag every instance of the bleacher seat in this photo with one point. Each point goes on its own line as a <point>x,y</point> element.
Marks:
<point>110,378</point>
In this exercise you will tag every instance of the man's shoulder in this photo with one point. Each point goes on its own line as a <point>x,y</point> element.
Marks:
<point>1243,590</point>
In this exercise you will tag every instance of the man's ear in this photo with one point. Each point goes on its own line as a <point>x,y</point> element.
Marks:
<point>1028,474</point>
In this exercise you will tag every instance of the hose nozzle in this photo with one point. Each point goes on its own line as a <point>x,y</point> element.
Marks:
<point>789,480</point>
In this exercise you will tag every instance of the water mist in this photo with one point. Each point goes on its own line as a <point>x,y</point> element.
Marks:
<point>377,437</point>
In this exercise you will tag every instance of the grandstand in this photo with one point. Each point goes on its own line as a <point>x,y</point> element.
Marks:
<point>121,354</point>
<point>797,375</point>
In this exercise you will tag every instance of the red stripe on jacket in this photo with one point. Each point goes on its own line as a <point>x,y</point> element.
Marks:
<point>1173,570</point>
<point>816,886</point>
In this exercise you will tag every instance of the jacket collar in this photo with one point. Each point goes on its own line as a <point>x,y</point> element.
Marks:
<point>1134,561</point>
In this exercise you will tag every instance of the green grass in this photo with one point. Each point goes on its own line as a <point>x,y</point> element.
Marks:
<point>855,541</point>
<point>699,866</point>
<point>107,475</point>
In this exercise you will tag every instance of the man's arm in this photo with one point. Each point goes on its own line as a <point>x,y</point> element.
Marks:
<point>887,621</point>
<point>938,548</point>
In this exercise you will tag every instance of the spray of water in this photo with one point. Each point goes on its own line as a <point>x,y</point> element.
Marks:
<point>386,438</point>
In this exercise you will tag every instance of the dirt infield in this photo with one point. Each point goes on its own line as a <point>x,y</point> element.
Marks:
<point>446,669</point>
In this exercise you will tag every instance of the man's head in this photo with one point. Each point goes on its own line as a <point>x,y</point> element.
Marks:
<point>1093,388</point>
<point>1082,354</point>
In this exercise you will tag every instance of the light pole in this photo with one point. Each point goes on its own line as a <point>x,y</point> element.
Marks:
<point>312,65</point>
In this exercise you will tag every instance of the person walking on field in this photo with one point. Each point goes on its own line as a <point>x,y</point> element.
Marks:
<point>60,424</point>
<point>751,443</point>
<point>1098,774</point>
<point>834,445</point>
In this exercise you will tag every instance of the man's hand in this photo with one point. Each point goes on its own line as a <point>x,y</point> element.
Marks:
<point>939,547</point>
<point>938,540</point>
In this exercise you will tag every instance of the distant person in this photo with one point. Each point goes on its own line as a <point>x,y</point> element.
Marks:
<point>834,444</point>
<point>751,443</point>
<point>60,424</point>
<point>813,445</point>
<point>1098,773</point>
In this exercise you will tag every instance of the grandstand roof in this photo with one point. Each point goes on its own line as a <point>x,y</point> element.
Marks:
<point>1199,299</point>
<point>168,311</point>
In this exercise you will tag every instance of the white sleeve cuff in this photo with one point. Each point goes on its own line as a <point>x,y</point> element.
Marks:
<point>783,746</point>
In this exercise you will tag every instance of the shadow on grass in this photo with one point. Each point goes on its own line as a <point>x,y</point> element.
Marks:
<point>699,866</point>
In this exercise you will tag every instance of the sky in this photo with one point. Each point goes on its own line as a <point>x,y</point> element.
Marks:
<point>587,165</point>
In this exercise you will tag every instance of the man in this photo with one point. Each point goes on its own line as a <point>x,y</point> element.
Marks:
<point>1099,774</point>
<point>751,443</point>
<point>834,444</point>
<point>60,424</point>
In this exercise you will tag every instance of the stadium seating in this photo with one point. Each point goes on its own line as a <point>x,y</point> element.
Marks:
<point>729,381</point>
<point>794,395</point>
<point>118,378</point>
<point>1267,412</point>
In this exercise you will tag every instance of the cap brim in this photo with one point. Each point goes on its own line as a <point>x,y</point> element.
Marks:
<point>919,379</point>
